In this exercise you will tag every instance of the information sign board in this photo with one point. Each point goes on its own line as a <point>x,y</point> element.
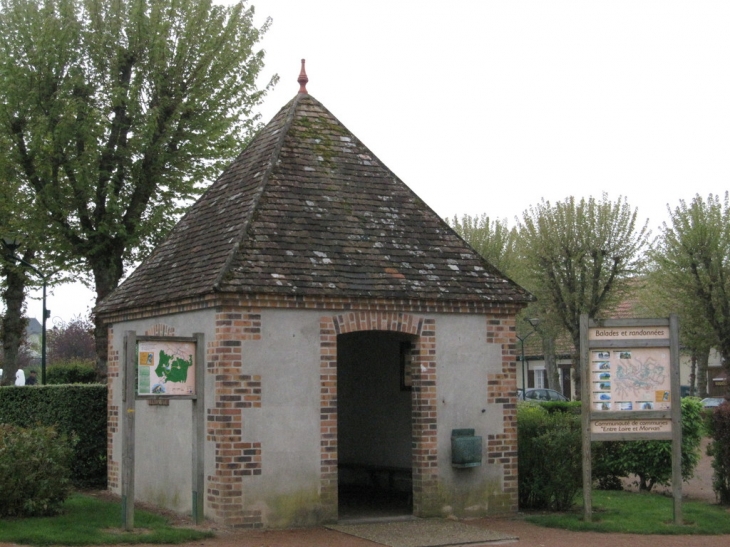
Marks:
<point>165,367</point>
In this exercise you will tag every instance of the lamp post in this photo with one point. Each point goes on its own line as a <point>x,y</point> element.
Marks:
<point>533,323</point>
<point>12,244</point>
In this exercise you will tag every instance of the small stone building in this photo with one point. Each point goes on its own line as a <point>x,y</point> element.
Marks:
<point>348,332</point>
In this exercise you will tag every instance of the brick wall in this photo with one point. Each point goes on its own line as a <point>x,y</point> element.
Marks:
<point>113,424</point>
<point>424,404</point>
<point>234,391</point>
<point>502,389</point>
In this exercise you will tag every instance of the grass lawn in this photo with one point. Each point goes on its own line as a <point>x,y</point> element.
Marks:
<point>640,513</point>
<point>90,521</point>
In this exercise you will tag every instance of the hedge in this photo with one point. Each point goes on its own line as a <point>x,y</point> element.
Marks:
<point>75,410</point>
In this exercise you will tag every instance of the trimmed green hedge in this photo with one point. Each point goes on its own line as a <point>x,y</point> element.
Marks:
<point>78,410</point>
<point>71,373</point>
<point>720,450</point>
<point>549,458</point>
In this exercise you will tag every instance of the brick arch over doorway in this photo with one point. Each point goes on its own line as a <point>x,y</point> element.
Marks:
<point>423,404</point>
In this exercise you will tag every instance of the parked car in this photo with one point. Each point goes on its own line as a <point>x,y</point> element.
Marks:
<point>540,394</point>
<point>712,402</point>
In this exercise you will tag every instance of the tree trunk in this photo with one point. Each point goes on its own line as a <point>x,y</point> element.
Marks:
<point>693,374</point>
<point>13,326</point>
<point>578,386</point>
<point>703,359</point>
<point>108,270</point>
<point>551,367</point>
<point>725,360</point>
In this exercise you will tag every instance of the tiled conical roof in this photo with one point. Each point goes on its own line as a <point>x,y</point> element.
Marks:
<point>307,209</point>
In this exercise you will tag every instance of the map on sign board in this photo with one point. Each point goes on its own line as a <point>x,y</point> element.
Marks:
<point>630,379</point>
<point>166,368</point>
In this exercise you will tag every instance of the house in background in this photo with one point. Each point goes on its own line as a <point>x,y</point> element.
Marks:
<point>535,373</point>
<point>32,341</point>
<point>349,333</point>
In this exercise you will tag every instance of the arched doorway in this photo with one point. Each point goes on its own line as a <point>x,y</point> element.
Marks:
<point>374,424</point>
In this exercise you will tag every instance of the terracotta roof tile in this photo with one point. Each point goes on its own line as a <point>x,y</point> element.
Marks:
<point>308,209</point>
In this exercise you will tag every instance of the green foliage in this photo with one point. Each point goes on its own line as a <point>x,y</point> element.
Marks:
<point>492,239</point>
<point>570,407</point>
<point>78,410</point>
<point>719,449</point>
<point>578,258</point>
<point>607,465</point>
<point>691,261</point>
<point>117,114</point>
<point>34,471</point>
<point>71,373</point>
<point>549,458</point>
<point>87,520</point>
<point>651,461</point>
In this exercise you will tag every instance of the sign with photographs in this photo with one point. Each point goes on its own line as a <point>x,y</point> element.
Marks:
<point>630,379</point>
<point>627,379</point>
<point>630,388</point>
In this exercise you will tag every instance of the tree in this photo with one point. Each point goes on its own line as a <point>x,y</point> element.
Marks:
<point>497,243</point>
<point>118,112</point>
<point>693,256</point>
<point>579,257</point>
<point>72,341</point>
<point>659,298</point>
<point>16,215</point>
<point>492,239</point>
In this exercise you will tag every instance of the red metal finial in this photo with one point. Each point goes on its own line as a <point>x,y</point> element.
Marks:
<point>303,80</point>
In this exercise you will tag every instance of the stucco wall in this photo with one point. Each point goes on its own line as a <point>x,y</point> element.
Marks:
<point>277,478</point>
<point>287,424</point>
<point>464,362</point>
<point>163,434</point>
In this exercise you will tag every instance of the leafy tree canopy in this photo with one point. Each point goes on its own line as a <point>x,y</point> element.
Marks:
<point>692,259</point>
<point>579,257</point>
<point>492,239</point>
<point>119,112</point>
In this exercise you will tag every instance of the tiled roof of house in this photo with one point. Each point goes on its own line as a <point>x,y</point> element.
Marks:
<point>307,209</point>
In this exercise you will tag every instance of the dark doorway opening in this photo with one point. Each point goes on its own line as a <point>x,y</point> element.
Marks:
<point>374,425</point>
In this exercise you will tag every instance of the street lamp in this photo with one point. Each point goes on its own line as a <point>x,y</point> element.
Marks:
<point>533,323</point>
<point>12,244</point>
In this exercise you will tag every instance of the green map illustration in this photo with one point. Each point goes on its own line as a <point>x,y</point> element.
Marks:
<point>171,368</point>
<point>166,368</point>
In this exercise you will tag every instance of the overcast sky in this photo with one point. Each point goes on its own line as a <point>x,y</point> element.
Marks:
<point>489,107</point>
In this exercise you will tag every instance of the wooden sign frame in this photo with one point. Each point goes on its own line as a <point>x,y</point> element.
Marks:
<point>657,416</point>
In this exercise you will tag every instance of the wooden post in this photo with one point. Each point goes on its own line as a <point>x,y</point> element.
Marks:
<point>585,417</point>
<point>199,431</point>
<point>128,395</point>
<point>676,398</point>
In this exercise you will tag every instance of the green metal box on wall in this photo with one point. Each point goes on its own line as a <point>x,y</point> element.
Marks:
<point>466,448</point>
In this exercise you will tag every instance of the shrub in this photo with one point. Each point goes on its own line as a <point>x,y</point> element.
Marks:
<point>549,458</point>
<point>719,449</point>
<point>79,410</point>
<point>71,373</point>
<point>572,407</point>
<point>608,468</point>
<point>34,471</point>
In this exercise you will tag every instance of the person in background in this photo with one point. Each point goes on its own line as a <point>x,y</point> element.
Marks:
<point>20,378</point>
<point>32,379</point>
